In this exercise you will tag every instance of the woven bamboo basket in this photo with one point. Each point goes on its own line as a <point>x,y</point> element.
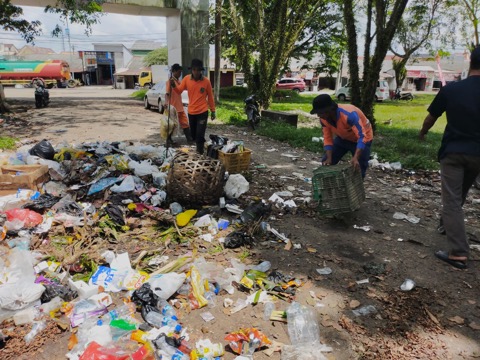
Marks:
<point>195,180</point>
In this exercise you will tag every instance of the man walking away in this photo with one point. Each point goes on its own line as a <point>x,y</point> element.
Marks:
<point>174,99</point>
<point>200,98</point>
<point>351,127</point>
<point>459,155</point>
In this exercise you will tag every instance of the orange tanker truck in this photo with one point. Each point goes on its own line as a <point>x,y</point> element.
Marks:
<point>53,72</point>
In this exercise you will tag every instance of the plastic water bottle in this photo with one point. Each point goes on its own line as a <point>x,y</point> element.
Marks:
<point>263,266</point>
<point>269,307</point>
<point>117,313</point>
<point>36,328</point>
<point>158,320</point>
<point>166,309</point>
<point>302,325</point>
<point>169,351</point>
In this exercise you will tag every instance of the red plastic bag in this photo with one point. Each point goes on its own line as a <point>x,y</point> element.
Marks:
<point>127,350</point>
<point>28,217</point>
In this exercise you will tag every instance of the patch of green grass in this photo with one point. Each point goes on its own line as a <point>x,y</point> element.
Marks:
<point>396,137</point>
<point>7,143</point>
<point>139,94</point>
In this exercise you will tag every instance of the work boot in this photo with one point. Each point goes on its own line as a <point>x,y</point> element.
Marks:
<point>200,148</point>
<point>188,135</point>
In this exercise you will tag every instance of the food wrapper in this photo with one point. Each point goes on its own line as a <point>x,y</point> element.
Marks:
<point>246,341</point>
<point>198,289</point>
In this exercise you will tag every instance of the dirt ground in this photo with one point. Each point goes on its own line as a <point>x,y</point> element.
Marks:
<point>438,319</point>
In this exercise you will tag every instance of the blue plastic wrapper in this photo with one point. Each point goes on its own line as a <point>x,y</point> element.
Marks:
<point>102,184</point>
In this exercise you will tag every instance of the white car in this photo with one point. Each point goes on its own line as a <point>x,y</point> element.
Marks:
<point>155,97</point>
<point>382,92</point>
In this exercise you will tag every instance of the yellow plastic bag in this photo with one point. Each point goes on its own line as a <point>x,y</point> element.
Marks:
<point>120,162</point>
<point>185,217</point>
<point>198,289</point>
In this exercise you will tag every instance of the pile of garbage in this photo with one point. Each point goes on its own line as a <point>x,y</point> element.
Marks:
<point>66,247</point>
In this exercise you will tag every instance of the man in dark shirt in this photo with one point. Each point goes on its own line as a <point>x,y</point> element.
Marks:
<point>459,155</point>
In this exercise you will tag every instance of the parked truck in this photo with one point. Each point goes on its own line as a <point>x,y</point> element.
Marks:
<point>52,72</point>
<point>155,74</point>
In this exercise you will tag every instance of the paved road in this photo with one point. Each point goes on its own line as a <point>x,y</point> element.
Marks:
<point>78,92</point>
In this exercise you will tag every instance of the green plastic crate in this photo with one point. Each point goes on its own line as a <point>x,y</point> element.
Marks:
<point>338,189</point>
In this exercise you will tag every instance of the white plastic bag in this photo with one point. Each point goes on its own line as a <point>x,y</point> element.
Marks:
<point>165,285</point>
<point>142,168</point>
<point>236,185</point>
<point>128,184</point>
<point>20,295</point>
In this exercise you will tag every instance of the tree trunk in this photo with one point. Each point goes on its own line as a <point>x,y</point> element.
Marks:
<point>218,49</point>
<point>352,52</point>
<point>368,40</point>
<point>400,71</point>
<point>385,33</point>
<point>4,108</point>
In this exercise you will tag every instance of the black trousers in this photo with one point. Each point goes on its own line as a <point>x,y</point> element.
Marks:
<point>198,126</point>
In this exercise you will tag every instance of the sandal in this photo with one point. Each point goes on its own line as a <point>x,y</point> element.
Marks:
<point>444,256</point>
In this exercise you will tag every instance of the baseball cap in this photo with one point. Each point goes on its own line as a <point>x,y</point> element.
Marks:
<point>176,67</point>
<point>321,103</point>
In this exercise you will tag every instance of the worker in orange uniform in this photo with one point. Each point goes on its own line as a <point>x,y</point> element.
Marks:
<point>174,99</point>
<point>200,98</point>
<point>352,130</point>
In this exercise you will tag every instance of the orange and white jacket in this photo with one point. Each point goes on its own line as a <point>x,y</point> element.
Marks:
<point>352,125</point>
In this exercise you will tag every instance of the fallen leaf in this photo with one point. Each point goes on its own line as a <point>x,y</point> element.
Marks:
<point>311,250</point>
<point>432,317</point>
<point>354,304</point>
<point>457,319</point>
<point>288,246</point>
<point>474,326</point>
<point>472,302</point>
<point>311,302</point>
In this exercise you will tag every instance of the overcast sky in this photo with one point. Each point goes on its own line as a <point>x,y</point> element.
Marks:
<point>113,28</point>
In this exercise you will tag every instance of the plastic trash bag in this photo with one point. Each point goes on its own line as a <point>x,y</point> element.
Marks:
<point>235,186</point>
<point>127,185</point>
<point>54,290</point>
<point>143,168</point>
<point>254,212</point>
<point>124,350</point>
<point>238,238</point>
<point>165,285</point>
<point>102,184</point>
<point>116,214</point>
<point>19,295</point>
<point>44,202</point>
<point>28,217</point>
<point>302,325</point>
<point>146,299</point>
<point>43,150</point>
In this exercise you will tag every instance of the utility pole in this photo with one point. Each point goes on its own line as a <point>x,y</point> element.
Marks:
<point>63,40</point>
<point>67,30</point>
<point>218,45</point>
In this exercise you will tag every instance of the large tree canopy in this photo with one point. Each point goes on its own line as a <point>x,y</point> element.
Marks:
<point>11,20</point>
<point>421,22</point>
<point>86,12</point>
<point>156,57</point>
<point>260,36</point>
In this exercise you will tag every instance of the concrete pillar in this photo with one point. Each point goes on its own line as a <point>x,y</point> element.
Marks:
<point>194,32</point>
<point>174,39</point>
